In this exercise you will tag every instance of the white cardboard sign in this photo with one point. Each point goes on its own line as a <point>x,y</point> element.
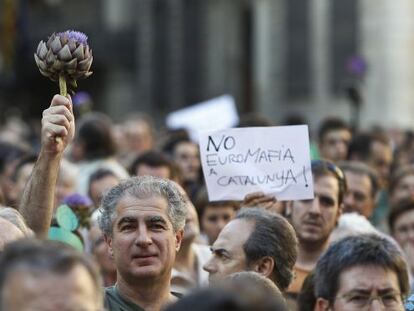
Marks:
<point>214,114</point>
<point>274,160</point>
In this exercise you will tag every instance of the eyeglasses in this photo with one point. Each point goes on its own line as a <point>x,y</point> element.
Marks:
<point>392,300</point>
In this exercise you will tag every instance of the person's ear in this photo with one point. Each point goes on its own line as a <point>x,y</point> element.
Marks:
<point>265,266</point>
<point>108,241</point>
<point>178,239</point>
<point>321,305</point>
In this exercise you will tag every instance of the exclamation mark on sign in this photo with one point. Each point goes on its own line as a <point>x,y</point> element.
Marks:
<point>304,176</point>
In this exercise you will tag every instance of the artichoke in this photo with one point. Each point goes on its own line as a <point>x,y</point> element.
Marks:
<point>65,57</point>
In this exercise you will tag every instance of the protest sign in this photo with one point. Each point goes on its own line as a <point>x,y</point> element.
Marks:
<point>274,160</point>
<point>215,114</point>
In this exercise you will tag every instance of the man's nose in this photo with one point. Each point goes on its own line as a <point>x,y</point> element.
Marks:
<point>341,146</point>
<point>195,162</point>
<point>209,266</point>
<point>315,206</point>
<point>143,238</point>
<point>221,223</point>
<point>349,200</point>
<point>376,305</point>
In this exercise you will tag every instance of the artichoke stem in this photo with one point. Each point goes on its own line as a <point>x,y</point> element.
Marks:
<point>62,85</point>
<point>63,92</point>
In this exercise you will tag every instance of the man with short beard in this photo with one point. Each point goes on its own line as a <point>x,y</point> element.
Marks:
<point>315,219</point>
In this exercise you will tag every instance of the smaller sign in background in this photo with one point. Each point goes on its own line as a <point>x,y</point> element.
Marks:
<point>214,114</point>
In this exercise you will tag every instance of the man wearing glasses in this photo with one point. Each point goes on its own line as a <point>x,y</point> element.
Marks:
<point>315,219</point>
<point>365,272</point>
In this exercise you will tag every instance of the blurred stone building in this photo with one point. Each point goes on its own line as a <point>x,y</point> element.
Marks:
<point>277,57</point>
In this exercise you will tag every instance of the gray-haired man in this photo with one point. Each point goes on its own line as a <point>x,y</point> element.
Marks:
<point>142,220</point>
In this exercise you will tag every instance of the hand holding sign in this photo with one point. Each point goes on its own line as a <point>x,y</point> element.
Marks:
<point>274,160</point>
<point>267,202</point>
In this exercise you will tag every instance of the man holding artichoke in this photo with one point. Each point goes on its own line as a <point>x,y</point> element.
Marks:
<point>143,221</point>
<point>143,217</point>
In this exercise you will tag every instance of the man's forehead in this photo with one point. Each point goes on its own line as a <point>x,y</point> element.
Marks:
<point>221,209</point>
<point>34,275</point>
<point>357,174</point>
<point>134,205</point>
<point>359,177</point>
<point>236,232</point>
<point>33,283</point>
<point>337,132</point>
<point>328,180</point>
<point>368,277</point>
<point>162,171</point>
<point>186,148</point>
<point>151,199</point>
<point>378,145</point>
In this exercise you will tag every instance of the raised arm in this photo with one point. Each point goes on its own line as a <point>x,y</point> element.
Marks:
<point>58,127</point>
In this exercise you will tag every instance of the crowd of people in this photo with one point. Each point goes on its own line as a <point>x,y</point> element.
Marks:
<point>99,216</point>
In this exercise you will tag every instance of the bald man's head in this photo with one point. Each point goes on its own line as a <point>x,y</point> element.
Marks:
<point>8,233</point>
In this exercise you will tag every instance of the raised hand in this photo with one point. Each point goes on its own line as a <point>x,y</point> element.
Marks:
<point>259,199</point>
<point>58,125</point>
